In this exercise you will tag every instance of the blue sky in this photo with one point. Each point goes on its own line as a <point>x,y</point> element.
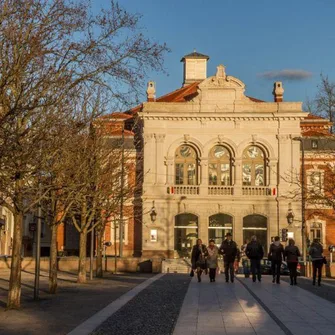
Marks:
<point>250,37</point>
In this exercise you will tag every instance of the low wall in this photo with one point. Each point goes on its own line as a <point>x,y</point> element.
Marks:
<point>125,264</point>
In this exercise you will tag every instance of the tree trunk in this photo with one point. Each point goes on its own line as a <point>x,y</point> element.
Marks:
<point>82,257</point>
<point>14,293</point>
<point>99,255</point>
<point>53,260</point>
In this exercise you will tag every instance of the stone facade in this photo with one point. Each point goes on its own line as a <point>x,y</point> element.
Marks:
<point>203,115</point>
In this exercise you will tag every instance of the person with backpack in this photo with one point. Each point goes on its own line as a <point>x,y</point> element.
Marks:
<point>228,249</point>
<point>318,260</point>
<point>255,253</point>
<point>292,255</point>
<point>276,256</point>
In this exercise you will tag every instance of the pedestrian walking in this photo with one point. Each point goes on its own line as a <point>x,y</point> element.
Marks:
<point>276,256</point>
<point>212,259</point>
<point>292,255</point>
<point>228,249</point>
<point>255,253</point>
<point>245,260</point>
<point>316,251</point>
<point>198,258</point>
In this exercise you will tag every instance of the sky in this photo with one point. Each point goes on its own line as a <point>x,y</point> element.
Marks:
<point>259,41</point>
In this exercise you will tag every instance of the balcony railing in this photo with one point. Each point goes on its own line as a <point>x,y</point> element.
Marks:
<point>183,190</point>
<point>256,190</point>
<point>220,190</point>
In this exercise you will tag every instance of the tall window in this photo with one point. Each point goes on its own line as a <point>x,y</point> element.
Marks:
<point>255,225</point>
<point>316,232</point>
<point>253,166</point>
<point>315,182</point>
<point>186,166</point>
<point>219,166</point>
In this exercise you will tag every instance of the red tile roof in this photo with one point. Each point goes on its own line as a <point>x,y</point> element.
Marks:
<point>116,115</point>
<point>118,132</point>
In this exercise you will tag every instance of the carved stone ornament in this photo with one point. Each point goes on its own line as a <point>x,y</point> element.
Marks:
<point>148,137</point>
<point>254,138</point>
<point>220,138</point>
<point>160,138</point>
<point>186,138</point>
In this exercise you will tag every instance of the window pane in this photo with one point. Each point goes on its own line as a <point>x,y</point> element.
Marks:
<point>179,174</point>
<point>246,170</point>
<point>225,174</point>
<point>212,174</point>
<point>186,151</point>
<point>220,151</point>
<point>191,176</point>
<point>259,175</point>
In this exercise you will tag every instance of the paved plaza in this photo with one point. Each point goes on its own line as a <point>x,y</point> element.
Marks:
<point>167,304</point>
<point>247,308</point>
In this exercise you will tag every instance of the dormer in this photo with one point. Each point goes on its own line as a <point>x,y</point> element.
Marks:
<point>195,67</point>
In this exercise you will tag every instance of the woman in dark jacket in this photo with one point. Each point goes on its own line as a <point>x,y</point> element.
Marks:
<point>198,257</point>
<point>292,255</point>
<point>315,252</point>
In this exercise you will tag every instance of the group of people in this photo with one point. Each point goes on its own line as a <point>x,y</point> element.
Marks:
<point>205,259</point>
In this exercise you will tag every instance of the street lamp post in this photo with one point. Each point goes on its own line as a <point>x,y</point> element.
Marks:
<point>303,199</point>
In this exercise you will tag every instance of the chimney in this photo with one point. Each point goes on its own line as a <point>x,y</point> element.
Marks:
<point>278,91</point>
<point>151,91</point>
<point>195,67</point>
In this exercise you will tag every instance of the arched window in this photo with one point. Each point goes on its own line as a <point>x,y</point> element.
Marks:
<point>186,166</point>
<point>219,166</point>
<point>253,166</point>
<point>255,225</point>
<point>185,233</point>
<point>219,225</point>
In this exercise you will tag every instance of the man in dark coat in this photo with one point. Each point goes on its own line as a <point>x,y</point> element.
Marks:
<point>228,249</point>
<point>255,253</point>
<point>276,256</point>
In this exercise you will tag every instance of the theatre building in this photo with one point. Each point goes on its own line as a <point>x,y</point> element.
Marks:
<point>216,160</point>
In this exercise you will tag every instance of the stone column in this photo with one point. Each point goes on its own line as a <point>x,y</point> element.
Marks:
<point>160,175</point>
<point>203,177</point>
<point>273,175</point>
<point>170,179</point>
<point>238,177</point>
<point>149,165</point>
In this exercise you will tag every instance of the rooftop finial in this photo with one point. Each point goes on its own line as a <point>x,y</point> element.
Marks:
<point>194,50</point>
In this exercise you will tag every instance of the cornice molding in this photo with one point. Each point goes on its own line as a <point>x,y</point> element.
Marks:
<point>219,118</point>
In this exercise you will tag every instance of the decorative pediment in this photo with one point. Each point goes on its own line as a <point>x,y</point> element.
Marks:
<point>221,80</point>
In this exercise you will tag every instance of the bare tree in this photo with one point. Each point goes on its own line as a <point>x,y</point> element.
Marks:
<point>325,100</point>
<point>51,50</point>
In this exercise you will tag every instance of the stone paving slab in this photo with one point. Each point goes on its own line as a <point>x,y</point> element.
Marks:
<point>223,308</point>
<point>302,312</point>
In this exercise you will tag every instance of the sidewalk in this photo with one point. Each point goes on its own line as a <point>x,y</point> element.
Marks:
<point>60,313</point>
<point>253,308</point>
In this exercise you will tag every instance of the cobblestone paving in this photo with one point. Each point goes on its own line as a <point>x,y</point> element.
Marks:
<point>154,311</point>
<point>58,314</point>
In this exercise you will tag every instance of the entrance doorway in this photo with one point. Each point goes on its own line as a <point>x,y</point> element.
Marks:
<point>256,225</point>
<point>219,225</point>
<point>185,233</point>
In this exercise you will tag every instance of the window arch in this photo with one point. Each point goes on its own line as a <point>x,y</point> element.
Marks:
<point>186,172</point>
<point>219,166</point>
<point>253,166</point>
